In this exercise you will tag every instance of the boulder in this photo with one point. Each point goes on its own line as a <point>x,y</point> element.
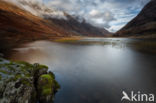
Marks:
<point>21,82</point>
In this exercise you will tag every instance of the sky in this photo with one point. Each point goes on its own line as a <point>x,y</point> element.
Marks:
<point>110,14</point>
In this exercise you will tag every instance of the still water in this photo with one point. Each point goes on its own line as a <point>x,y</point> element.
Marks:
<point>95,70</point>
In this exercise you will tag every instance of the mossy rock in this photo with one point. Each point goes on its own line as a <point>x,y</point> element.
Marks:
<point>27,78</point>
<point>47,84</point>
<point>47,87</point>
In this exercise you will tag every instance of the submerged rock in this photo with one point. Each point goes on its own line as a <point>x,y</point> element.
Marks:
<point>21,82</point>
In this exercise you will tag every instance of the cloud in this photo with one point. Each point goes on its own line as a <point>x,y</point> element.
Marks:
<point>38,8</point>
<point>96,14</point>
<point>103,13</point>
<point>109,14</point>
<point>100,18</point>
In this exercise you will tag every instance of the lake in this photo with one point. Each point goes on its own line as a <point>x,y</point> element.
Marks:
<point>95,70</point>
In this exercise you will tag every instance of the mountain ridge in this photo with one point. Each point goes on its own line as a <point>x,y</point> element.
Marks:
<point>65,20</point>
<point>18,26</point>
<point>80,28</point>
<point>143,24</point>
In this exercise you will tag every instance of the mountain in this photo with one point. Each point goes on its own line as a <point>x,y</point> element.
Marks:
<point>79,27</point>
<point>19,25</point>
<point>143,24</point>
<point>63,20</point>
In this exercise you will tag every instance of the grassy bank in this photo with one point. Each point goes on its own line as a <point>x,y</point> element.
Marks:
<point>68,39</point>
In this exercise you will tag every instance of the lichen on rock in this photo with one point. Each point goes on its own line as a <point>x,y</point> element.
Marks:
<point>21,82</point>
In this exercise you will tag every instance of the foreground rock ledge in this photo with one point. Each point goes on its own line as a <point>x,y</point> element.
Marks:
<point>21,82</point>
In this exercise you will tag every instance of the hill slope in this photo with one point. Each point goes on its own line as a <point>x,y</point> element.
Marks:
<point>74,24</point>
<point>80,28</point>
<point>143,24</point>
<point>18,25</point>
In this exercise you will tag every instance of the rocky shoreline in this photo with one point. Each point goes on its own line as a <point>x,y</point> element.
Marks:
<point>21,82</point>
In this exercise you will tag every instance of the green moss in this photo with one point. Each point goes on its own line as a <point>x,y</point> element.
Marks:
<point>17,76</point>
<point>10,67</point>
<point>24,63</point>
<point>25,67</point>
<point>46,84</point>
<point>47,91</point>
<point>43,66</point>
<point>28,75</point>
<point>4,72</point>
<point>21,73</point>
<point>52,75</point>
<point>46,76</point>
<point>25,81</point>
<point>37,67</point>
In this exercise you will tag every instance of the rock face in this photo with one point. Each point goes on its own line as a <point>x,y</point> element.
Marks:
<point>143,24</point>
<point>22,82</point>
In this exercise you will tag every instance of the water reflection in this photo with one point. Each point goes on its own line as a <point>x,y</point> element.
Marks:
<point>94,70</point>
